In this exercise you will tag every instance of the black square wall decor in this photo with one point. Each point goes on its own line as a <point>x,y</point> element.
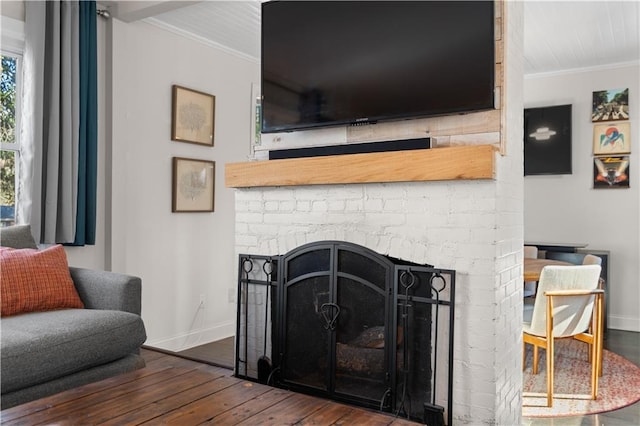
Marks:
<point>547,140</point>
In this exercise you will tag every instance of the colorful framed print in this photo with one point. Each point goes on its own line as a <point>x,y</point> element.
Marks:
<point>610,105</point>
<point>611,172</point>
<point>613,138</point>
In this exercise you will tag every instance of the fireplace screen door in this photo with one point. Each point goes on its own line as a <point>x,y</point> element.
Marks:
<point>335,328</point>
<point>339,320</point>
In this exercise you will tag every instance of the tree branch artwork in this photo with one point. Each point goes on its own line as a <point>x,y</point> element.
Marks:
<point>193,116</point>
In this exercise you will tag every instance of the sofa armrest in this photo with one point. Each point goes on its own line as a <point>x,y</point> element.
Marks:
<point>108,290</point>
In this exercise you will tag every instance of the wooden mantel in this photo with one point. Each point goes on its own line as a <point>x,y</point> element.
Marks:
<point>447,163</point>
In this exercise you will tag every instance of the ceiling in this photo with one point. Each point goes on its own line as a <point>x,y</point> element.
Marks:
<point>558,35</point>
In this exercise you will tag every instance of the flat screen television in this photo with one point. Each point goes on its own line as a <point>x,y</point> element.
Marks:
<point>547,140</point>
<point>328,63</point>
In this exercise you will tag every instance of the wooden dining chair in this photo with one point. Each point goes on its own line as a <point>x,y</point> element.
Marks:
<point>568,304</point>
<point>591,259</point>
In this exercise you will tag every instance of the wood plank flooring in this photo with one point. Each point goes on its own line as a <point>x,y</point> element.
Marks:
<point>173,390</point>
<point>217,353</point>
<point>176,391</point>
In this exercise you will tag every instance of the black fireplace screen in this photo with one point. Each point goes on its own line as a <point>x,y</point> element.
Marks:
<point>338,320</point>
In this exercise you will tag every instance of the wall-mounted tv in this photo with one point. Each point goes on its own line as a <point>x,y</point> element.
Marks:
<point>327,63</point>
<point>547,140</point>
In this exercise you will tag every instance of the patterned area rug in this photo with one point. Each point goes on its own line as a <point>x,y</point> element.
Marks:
<point>618,387</point>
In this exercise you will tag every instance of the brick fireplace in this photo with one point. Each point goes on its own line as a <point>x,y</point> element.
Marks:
<point>461,225</point>
<point>474,227</point>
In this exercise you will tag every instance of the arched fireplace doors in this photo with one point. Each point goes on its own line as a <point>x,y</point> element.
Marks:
<point>338,320</point>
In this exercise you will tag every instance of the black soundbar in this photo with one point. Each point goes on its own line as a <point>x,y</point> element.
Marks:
<point>356,148</point>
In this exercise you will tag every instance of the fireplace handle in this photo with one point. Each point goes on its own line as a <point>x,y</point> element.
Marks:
<point>330,322</point>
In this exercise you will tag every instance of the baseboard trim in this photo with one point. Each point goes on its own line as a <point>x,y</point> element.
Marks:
<point>181,355</point>
<point>624,323</point>
<point>195,338</point>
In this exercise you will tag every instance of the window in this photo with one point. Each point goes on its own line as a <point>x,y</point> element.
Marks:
<point>9,136</point>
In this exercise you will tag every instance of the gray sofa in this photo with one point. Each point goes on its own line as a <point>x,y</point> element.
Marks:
<point>43,353</point>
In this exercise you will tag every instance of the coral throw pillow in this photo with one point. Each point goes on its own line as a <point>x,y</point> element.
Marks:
<point>36,280</point>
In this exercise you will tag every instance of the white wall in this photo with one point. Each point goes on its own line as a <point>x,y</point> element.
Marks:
<point>180,256</point>
<point>566,208</point>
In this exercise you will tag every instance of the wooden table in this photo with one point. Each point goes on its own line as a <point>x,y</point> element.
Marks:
<point>533,267</point>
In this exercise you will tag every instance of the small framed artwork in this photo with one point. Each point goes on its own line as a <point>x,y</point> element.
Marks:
<point>611,172</point>
<point>192,116</point>
<point>611,138</point>
<point>193,185</point>
<point>610,105</point>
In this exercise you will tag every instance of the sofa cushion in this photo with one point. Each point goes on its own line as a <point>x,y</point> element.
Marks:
<point>41,346</point>
<point>34,280</point>
<point>17,236</point>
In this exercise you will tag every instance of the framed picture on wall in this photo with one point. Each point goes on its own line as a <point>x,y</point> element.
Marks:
<point>547,140</point>
<point>611,172</point>
<point>193,185</point>
<point>613,138</point>
<point>192,116</point>
<point>610,105</point>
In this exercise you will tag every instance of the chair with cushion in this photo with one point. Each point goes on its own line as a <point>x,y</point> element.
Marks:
<point>568,304</point>
<point>590,259</point>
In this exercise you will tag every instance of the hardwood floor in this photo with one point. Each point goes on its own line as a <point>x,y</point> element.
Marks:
<point>218,353</point>
<point>173,390</point>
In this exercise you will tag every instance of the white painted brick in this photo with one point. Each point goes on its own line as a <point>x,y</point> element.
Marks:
<point>320,206</point>
<point>271,206</point>
<point>383,191</point>
<point>393,205</point>
<point>245,194</point>
<point>273,247</point>
<point>276,194</point>
<point>416,205</point>
<point>261,229</point>
<point>287,206</point>
<point>244,217</point>
<point>373,204</point>
<point>354,205</point>
<point>356,236</point>
<point>435,190</point>
<point>246,240</point>
<point>255,206</point>
<point>381,220</point>
<point>303,206</point>
<point>348,192</point>
<point>336,205</point>
<point>242,228</point>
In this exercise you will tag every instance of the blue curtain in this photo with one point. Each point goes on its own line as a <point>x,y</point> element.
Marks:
<point>88,138</point>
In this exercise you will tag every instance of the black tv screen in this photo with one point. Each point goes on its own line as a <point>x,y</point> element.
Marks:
<point>327,63</point>
<point>547,140</point>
